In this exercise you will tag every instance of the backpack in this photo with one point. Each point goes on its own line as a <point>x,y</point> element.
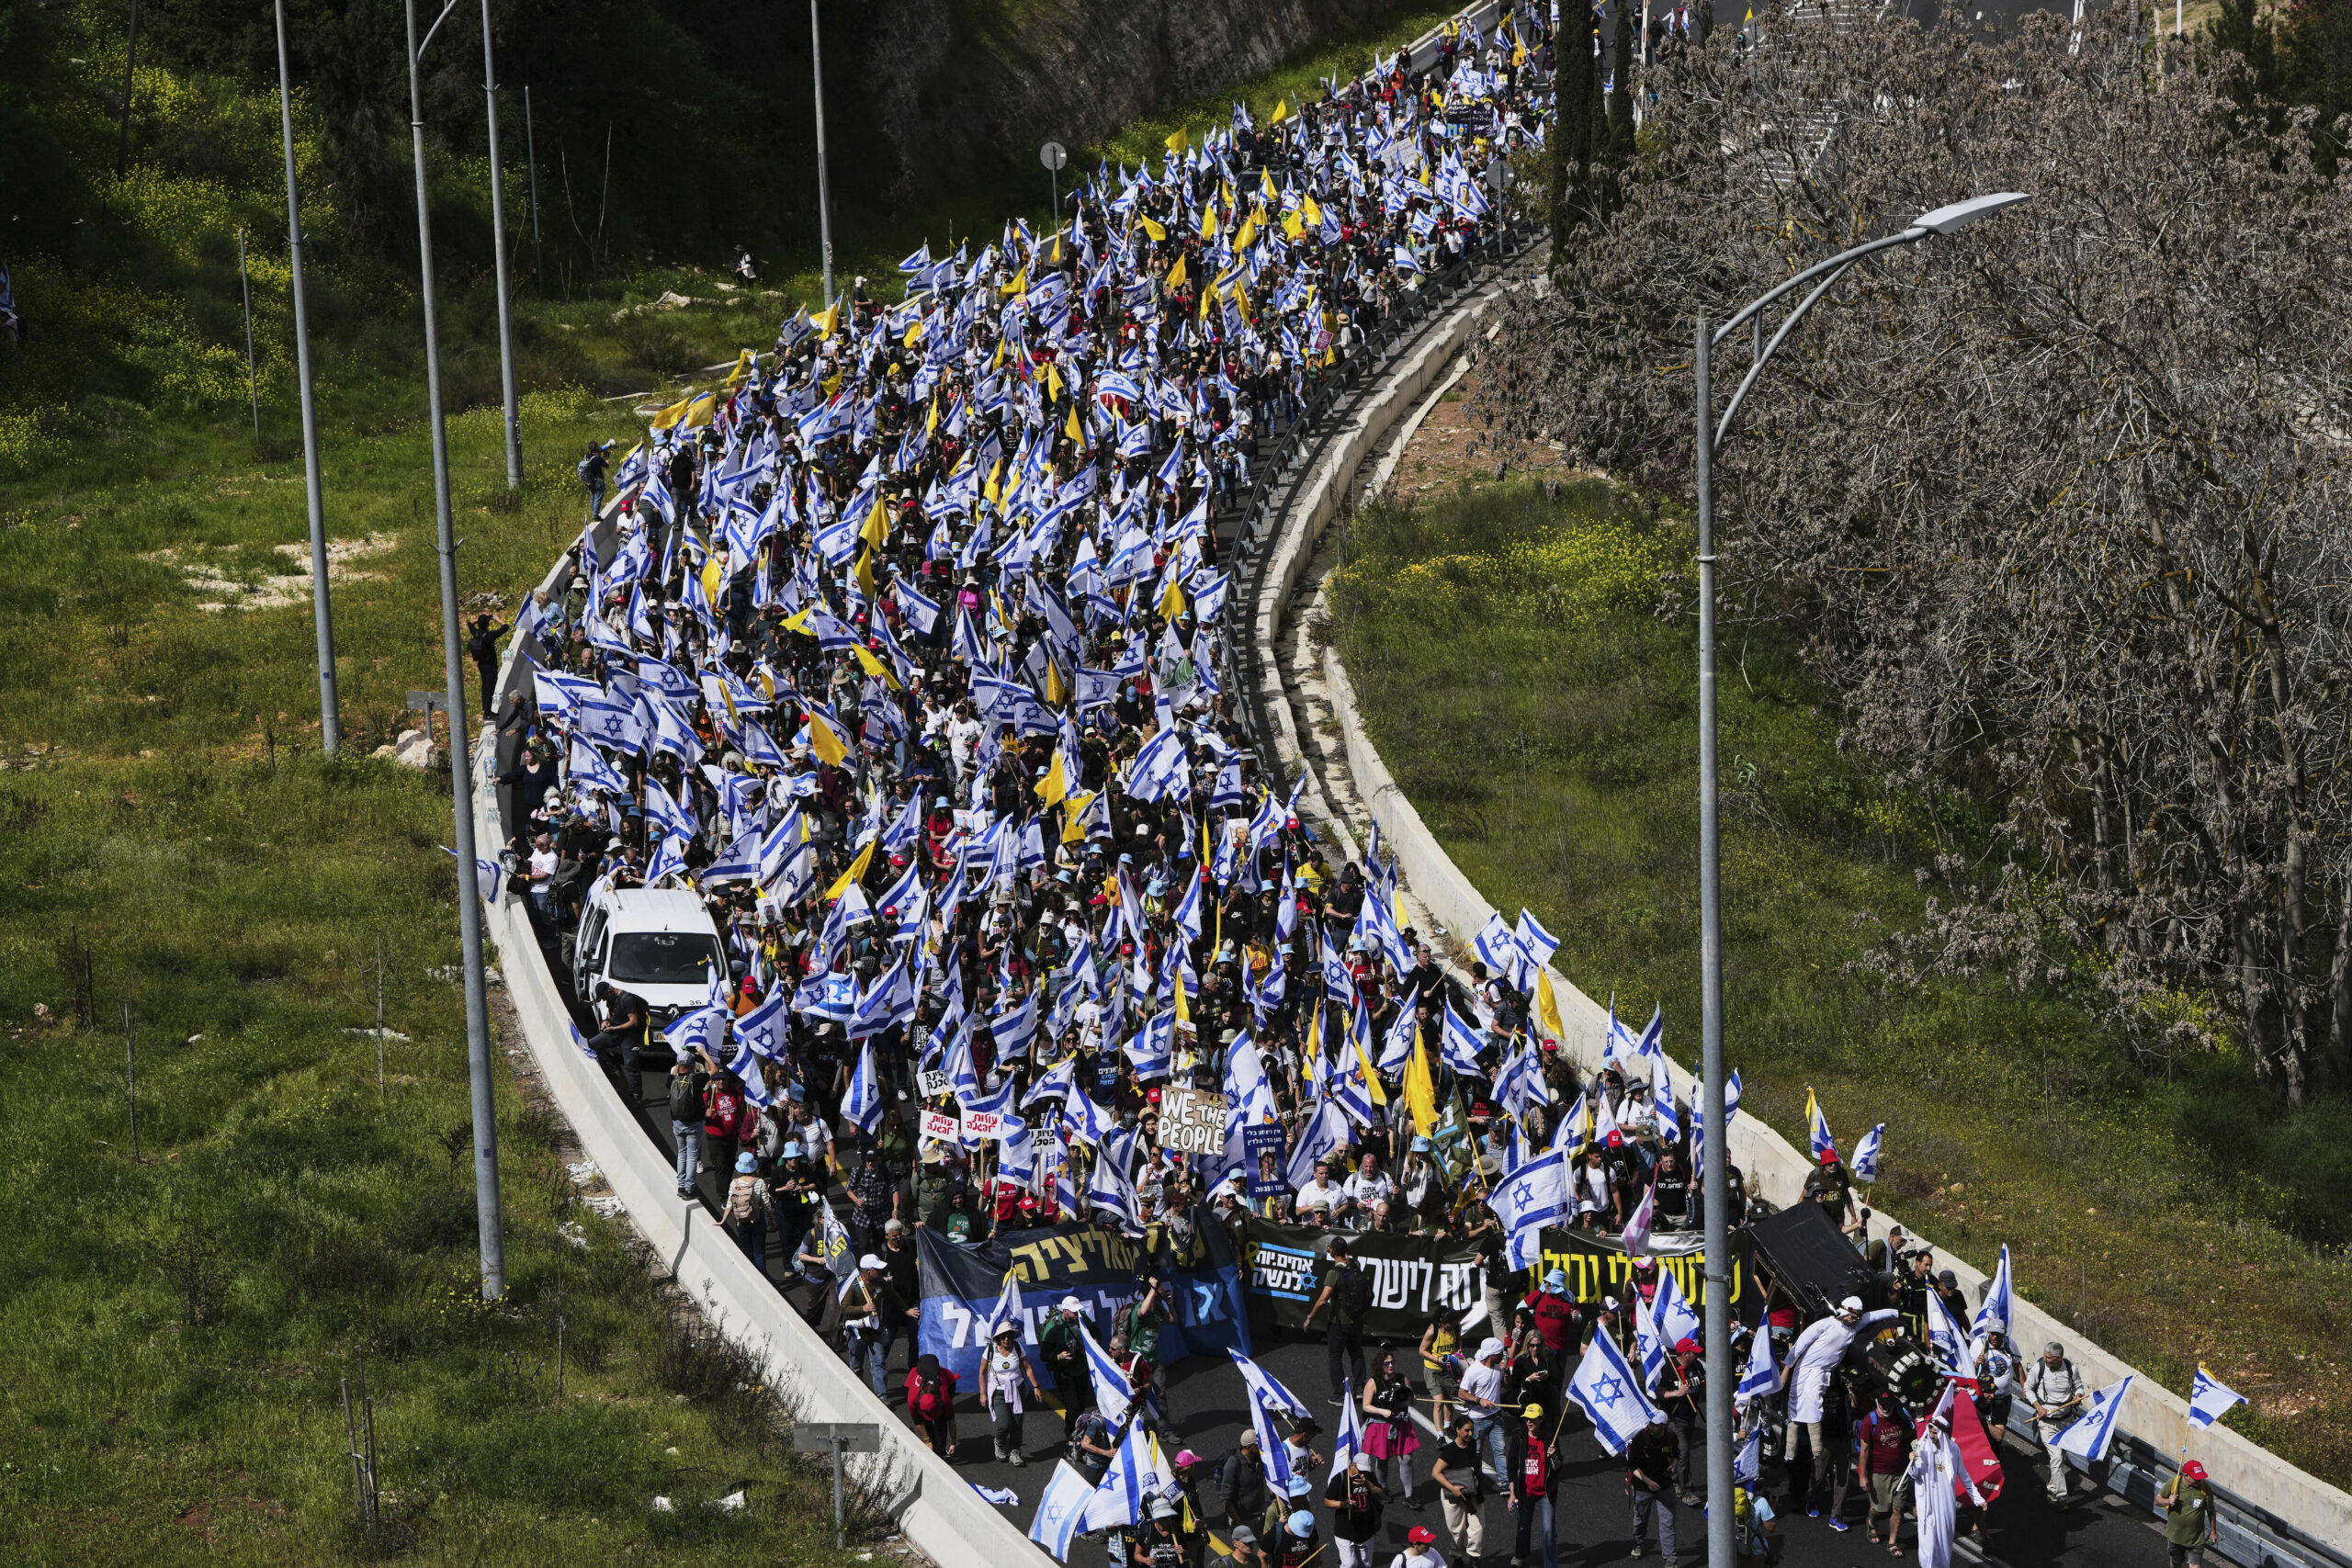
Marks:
<point>1351,1295</point>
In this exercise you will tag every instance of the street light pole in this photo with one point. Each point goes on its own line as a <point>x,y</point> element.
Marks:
<point>321,614</point>
<point>485,1105</point>
<point>1714,1176</point>
<point>498,239</point>
<point>824,195</point>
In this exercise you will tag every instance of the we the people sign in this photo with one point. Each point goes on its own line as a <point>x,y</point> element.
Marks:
<point>1192,1121</point>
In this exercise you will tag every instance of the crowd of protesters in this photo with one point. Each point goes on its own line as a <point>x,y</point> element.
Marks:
<point>908,654</point>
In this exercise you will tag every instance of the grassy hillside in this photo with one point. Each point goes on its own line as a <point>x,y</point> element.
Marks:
<point>1518,678</point>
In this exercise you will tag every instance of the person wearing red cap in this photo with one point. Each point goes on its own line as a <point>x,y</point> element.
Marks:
<point>2189,1524</point>
<point>1420,1549</point>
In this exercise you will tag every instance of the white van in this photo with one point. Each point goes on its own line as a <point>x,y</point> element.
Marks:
<point>658,943</point>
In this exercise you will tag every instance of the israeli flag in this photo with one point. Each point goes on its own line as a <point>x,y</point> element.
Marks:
<point>761,1029</point>
<point>862,1103</point>
<point>1111,1193</point>
<point>1118,1499</point>
<point>1864,1164</point>
<point>1650,1343</point>
<point>489,876</point>
<point>1947,1339</point>
<point>1061,1510</point>
<point>1273,1452</point>
<point>1605,1389</point>
<point>1677,1319</point>
<point>2210,1398</point>
<point>1318,1140</point>
<point>1999,1310</point>
<point>1458,1044</point>
<point>1761,1376</point>
<point>1113,1393</point>
<point>1348,1439</point>
<point>1748,1462</point>
<point>1263,1387</point>
<point>1003,1497</point>
<point>2095,1429</point>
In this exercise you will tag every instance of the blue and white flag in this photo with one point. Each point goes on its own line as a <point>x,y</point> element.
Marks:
<point>489,875</point>
<point>1113,1393</point>
<point>1535,1195</point>
<point>1274,1454</point>
<point>1458,1044</point>
<point>1948,1339</point>
<point>2000,1301</point>
<point>1748,1463</point>
<point>1007,1310</point>
<point>1864,1164</point>
<point>1110,1193</point>
<point>1609,1393</point>
<point>1262,1383</point>
<point>1317,1141</point>
<point>1061,1510</point>
<point>1761,1376</point>
<point>862,1103</point>
<point>1677,1319</point>
<point>1349,1439</point>
<point>1118,1499</point>
<point>2095,1429</point>
<point>2211,1398</point>
<point>1002,1497</point>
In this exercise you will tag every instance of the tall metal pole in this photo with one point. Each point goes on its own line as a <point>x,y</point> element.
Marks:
<point>531,153</point>
<point>1716,1177</point>
<point>130,69</point>
<point>498,239</point>
<point>322,613</point>
<point>252,376</point>
<point>824,195</point>
<point>486,1104</point>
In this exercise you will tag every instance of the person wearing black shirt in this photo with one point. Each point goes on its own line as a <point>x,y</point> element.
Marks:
<point>1355,1499</point>
<point>1461,1489</point>
<point>1683,1396</point>
<point>616,1045</point>
<point>483,646</point>
<point>1673,1189</point>
<point>1650,1461</point>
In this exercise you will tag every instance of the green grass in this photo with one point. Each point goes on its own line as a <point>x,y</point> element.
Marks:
<point>1541,716</point>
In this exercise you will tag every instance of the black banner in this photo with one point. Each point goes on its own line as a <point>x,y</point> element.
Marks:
<point>1412,1277</point>
<point>1599,1266</point>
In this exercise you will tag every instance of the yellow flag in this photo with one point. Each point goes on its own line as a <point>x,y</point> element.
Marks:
<point>1293,227</point>
<point>1176,141</point>
<point>1020,284</point>
<point>989,488</point>
<point>830,320</point>
<point>875,666</point>
<point>1055,694</point>
<point>1421,1091</point>
<point>1367,1072</point>
<point>825,741</point>
<point>1172,603</point>
<point>672,414</point>
<point>1308,210</point>
<point>1071,429</point>
<point>702,409</point>
<point>931,424</point>
<point>743,363</point>
<point>857,871</point>
<point>1208,222</point>
<point>1548,1006</point>
<point>878,525</point>
<point>1053,383</point>
<point>1074,820</point>
<point>866,583</point>
<point>1266,184</point>
<point>1176,274</point>
<point>1154,230</point>
<point>1054,788</point>
<point>714,572</point>
<point>1312,1051</point>
<point>914,334</point>
<point>1282,111</point>
<point>1248,233</point>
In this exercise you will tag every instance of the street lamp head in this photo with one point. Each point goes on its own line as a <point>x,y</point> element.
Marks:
<point>1960,214</point>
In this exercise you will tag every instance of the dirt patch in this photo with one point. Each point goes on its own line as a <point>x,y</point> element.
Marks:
<point>208,573</point>
<point>1453,447</point>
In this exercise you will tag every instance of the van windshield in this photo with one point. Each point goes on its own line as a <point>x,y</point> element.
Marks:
<point>662,958</point>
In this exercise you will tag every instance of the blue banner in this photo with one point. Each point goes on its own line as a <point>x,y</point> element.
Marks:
<point>1207,1312</point>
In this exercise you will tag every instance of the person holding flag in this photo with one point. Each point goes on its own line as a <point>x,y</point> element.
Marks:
<point>2056,1392</point>
<point>2191,1525</point>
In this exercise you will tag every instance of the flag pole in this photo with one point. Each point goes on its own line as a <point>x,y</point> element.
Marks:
<point>322,612</point>
<point>824,195</point>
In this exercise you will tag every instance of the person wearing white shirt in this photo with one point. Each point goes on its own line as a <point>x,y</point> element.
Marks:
<point>1812,1362</point>
<point>1318,1197</point>
<point>1363,1192</point>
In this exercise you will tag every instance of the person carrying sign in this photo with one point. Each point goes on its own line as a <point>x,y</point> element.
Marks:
<point>1347,1290</point>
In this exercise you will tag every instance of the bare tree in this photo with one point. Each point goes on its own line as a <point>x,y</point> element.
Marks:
<point>2058,503</point>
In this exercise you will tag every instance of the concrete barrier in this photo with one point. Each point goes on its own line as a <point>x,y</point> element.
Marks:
<point>938,1509</point>
<point>2151,1414</point>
